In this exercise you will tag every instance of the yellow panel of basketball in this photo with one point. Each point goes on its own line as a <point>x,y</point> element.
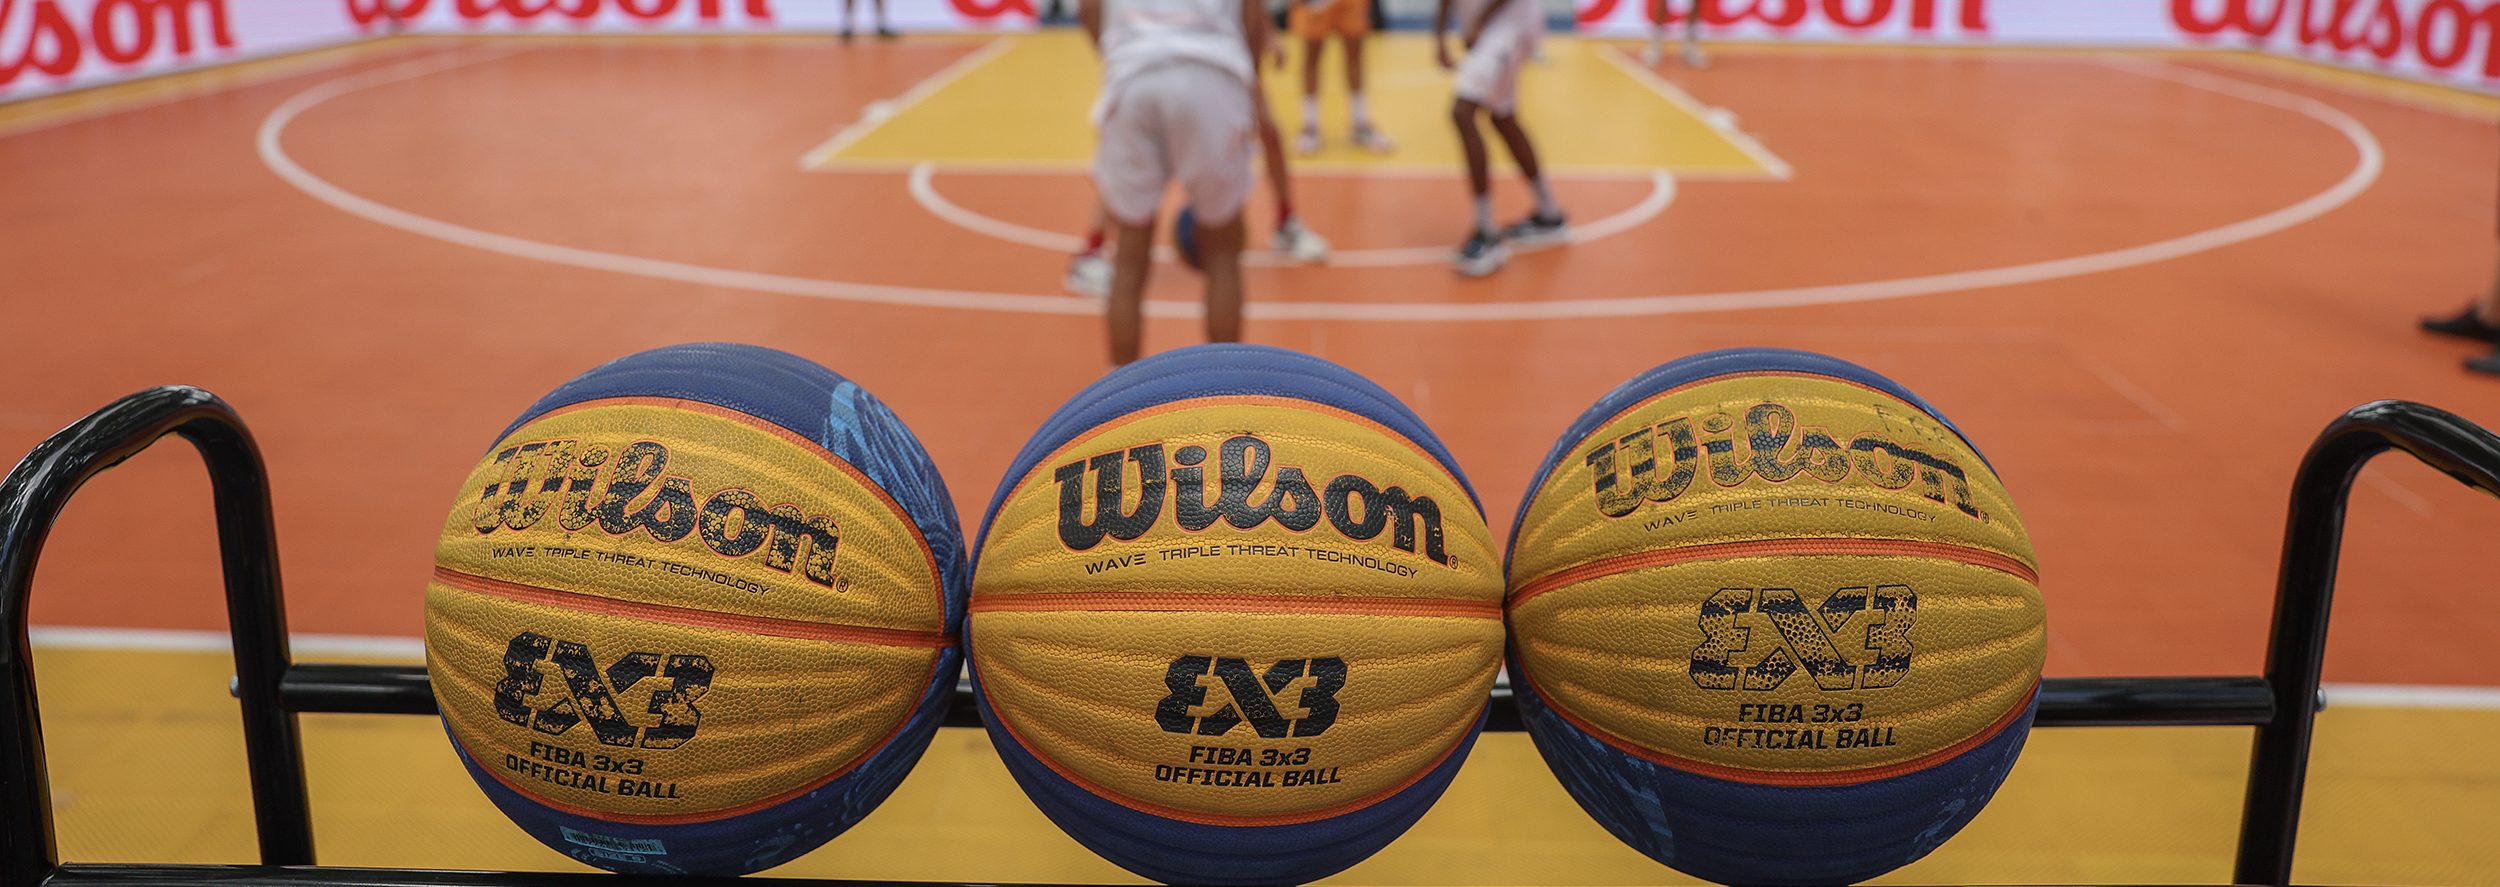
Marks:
<point>1907,476</point>
<point>1618,653</point>
<point>776,714</point>
<point>1025,554</point>
<point>736,561</point>
<point>1083,690</point>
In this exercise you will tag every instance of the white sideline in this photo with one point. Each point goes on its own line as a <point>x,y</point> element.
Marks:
<point>155,640</point>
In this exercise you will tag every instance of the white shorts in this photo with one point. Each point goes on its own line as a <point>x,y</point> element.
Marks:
<point>1179,122</point>
<point>1489,74</point>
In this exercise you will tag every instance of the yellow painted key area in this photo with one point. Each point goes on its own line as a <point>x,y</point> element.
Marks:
<point>1025,106</point>
<point>147,765</point>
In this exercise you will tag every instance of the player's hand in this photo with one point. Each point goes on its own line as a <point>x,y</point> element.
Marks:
<point>1441,54</point>
<point>1468,38</point>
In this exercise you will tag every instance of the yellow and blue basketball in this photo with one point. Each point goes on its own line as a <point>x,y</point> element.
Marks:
<point>1773,619</point>
<point>1185,238</point>
<point>696,610</point>
<point>1235,616</point>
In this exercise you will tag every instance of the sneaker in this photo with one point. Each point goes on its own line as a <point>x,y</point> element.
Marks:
<point>1693,57</point>
<point>1307,141</point>
<point>1089,274</point>
<point>886,33</point>
<point>846,35</point>
<point>1303,244</point>
<point>1372,139</point>
<point>2487,364</point>
<point>1539,230</point>
<point>2464,325</point>
<point>1650,54</point>
<point>1482,254</point>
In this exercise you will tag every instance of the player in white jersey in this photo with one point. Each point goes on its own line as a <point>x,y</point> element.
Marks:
<point>1089,271</point>
<point>1499,37</point>
<point>1175,107</point>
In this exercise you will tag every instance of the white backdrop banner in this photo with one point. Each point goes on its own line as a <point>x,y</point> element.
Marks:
<point>51,45</point>
<point>2447,41</point>
<point>612,16</point>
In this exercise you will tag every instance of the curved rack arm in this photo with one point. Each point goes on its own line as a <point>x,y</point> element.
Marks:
<point>2296,649</point>
<point>31,499</point>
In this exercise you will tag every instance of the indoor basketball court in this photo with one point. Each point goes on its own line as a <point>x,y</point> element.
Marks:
<point>2141,275</point>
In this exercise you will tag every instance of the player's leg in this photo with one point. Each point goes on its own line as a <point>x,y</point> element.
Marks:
<point>1219,246</point>
<point>884,31</point>
<point>1089,271</point>
<point>1354,29</point>
<point>1692,37</point>
<point>1505,51</point>
<point>850,10</point>
<point>1483,83</point>
<point>1293,237</point>
<point>1657,15</point>
<point>1482,252</point>
<point>2480,320</point>
<point>1546,224</point>
<point>1208,134</point>
<point>1305,22</point>
<point>1131,165</point>
<point>1132,257</point>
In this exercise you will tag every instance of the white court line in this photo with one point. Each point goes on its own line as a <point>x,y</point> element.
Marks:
<point>1661,193</point>
<point>2370,160</point>
<point>2378,480</point>
<point>2419,696</point>
<point>181,641</point>
<point>878,112</point>
<point>1675,95</point>
<point>273,155</point>
<point>2127,388</point>
<point>2412,696</point>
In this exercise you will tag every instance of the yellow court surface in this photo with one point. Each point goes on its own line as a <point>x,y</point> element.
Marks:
<point>157,775</point>
<point>1021,104</point>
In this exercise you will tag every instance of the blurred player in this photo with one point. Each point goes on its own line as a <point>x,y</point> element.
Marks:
<point>1499,37</point>
<point>1176,107</point>
<point>1658,34</point>
<point>1350,21</point>
<point>1089,272</point>
<point>2479,321</point>
<point>850,12</point>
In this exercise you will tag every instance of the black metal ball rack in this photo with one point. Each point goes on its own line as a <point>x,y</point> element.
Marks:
<point>2282,703</point>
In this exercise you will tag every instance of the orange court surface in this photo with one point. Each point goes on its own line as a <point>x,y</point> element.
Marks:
<point>2141,281</point>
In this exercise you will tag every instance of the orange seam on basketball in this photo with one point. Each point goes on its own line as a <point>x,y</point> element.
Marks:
<point>1775,777</point>
<point>1195,402</point>
<point>1153,602</point>
<point>701,815</point>
<point>937,581</point>
<point>1810,547</point>
<point>764,625</point>
<point>1202,818</point>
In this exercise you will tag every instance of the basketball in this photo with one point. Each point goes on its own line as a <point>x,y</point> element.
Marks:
<point>695,611</point>
<point>1185,238</point>
<point>1235,616</point>
<point>1774,619</point>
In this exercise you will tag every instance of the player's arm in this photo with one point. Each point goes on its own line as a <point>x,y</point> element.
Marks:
<point>1089,14</point>
<point>1254,32</point>
<point>1440,33</point>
